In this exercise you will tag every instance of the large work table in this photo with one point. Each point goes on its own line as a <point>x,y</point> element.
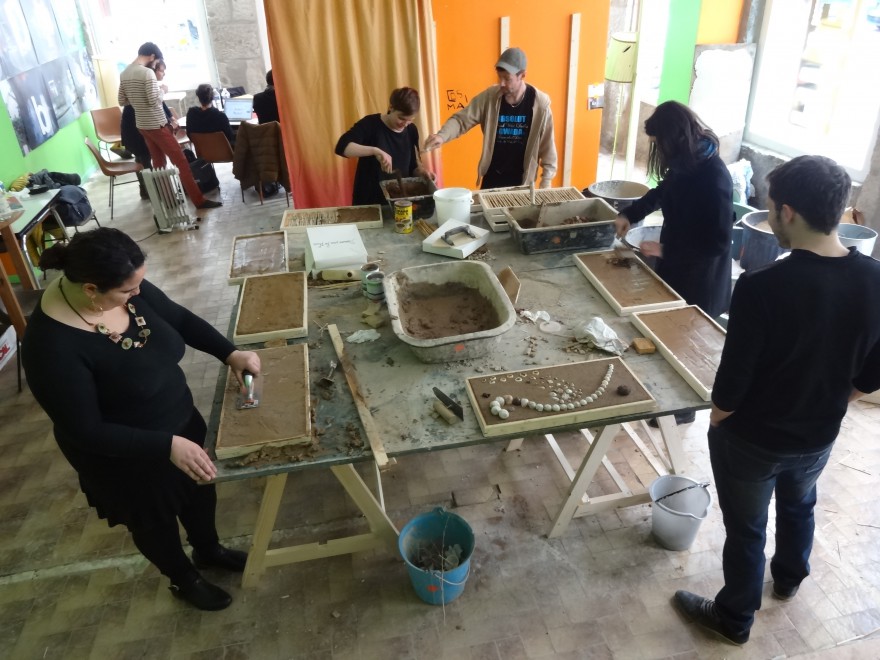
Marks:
<point>398,391</point>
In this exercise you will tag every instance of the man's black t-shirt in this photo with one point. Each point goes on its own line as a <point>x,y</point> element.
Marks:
<point>514,124</point>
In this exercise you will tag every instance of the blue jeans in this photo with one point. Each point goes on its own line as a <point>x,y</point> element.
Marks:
<point>745,477</point>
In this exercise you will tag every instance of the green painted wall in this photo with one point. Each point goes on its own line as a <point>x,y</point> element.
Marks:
<point>64,152</point>
<point>678,56</point>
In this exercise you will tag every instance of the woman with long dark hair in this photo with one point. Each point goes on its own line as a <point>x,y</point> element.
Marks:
<point>101,353</point>
<point>695,194</point>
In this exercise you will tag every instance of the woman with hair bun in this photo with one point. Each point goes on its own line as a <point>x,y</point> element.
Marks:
<point>101,353</point>
<point>383,143</point>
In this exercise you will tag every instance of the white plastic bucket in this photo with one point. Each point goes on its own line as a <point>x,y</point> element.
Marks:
<point>676,519</point>
<point>453,204</point>
<point>858,236</point>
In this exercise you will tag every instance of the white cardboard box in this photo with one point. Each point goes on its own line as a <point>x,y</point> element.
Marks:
<point>463,246</point>
<point>8,346</point>
<point>336,246</point>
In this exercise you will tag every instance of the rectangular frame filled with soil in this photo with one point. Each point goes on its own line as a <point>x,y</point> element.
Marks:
<point>272,307</point>
<point>573,385</point>
<point>283,416</point>
<point>296,221</point>
<point>626,283</point>
<point>257,254</point>
<point>689,340</point>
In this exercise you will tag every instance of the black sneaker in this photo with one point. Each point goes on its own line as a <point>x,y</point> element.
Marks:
<point>703,612</point>
<point>680,418</point>
<point>209,204</point>
<point>784,593</point>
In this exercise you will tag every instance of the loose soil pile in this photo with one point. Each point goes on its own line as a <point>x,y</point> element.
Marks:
<point>432,311</point>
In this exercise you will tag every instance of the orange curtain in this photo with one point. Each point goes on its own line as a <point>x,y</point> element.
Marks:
<point>335,61</point>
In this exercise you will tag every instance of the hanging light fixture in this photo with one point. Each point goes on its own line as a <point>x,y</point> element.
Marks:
<point>620,67</point>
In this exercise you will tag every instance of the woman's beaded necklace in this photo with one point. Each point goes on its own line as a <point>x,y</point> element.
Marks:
<point>115,337</point>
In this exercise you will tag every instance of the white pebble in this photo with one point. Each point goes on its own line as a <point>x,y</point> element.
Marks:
<point>524,402</point>
<point>499,400</point>
<point>590,399</point>
<point>532,405</point>
<point>508,399</point>
<point>567,391</point>
<point>601,390</point>
<point>555,407</point>
<point>495,410</point>
<point>503,414</point>
<point>539,407</point>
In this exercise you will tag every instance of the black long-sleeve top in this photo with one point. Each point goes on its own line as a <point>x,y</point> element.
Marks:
<point>371,131</point>
<point>698,218</point>
<point>803,333</point>
<point>210,120</point>
<point>108,404</point>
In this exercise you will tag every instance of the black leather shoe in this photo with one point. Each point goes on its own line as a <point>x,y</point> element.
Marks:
<point>209,204</point>
<point>220,557</point>
<point>784,593</point>
<point>680,418</point>
<point>200,593</point>
<point>703,612</point>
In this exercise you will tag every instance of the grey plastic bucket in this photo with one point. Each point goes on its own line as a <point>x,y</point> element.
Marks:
<point>676,518</point>
<point>858,236</point>
<point>759,248</point>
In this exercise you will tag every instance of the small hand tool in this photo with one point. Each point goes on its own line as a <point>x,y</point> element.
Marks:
<point>450,403</point>
<point>248,398</point>
<point>464,229</point>
<point>327,381</point>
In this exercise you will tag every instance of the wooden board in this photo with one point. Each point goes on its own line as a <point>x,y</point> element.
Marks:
<point>257,254</point>
<point>689,340</point>
<point>296,221</point>
<point>494,201</point>
<point>272,307</point>
<point>534,384</point>
<point>635,288</point>
<point>283,416</point>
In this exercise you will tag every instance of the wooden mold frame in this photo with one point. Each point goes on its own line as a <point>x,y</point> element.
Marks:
<point>534,385</point>
<point>496,200</point>
<point>257,254</point>
<point>272,307</point>
<point>296,221</point>
<point>628,289</point>
<point>689,340</point>
<point>283,416</point>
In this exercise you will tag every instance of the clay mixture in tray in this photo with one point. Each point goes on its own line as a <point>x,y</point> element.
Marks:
<point>431,311</point>
<point>532,223</point>
<point>412,189</point>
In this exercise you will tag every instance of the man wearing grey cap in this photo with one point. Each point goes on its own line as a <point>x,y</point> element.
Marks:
<point>517,128</point>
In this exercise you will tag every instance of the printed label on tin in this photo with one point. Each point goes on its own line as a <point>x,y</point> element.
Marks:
<point>403,223</point>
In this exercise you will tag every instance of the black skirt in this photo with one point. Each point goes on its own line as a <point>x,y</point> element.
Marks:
<point>145,494</point>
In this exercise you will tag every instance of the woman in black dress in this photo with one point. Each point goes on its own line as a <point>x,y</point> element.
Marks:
<point>101,354</point>
<point>695,194</point>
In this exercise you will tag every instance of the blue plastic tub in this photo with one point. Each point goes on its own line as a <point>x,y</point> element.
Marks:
<point>441,529</point>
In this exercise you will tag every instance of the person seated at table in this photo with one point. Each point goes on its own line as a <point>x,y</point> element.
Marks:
<point>101,353</point>
<point>384,144</point>
<point>205,118</point>
<point>265,103</point>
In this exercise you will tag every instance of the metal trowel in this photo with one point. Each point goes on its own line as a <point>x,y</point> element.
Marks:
<point>249,396</point>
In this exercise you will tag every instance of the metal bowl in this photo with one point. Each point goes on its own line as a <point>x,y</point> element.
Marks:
<point>619,194</point>
<point>635,236</point>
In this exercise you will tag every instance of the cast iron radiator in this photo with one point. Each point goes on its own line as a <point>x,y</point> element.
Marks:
<point>166,195</point>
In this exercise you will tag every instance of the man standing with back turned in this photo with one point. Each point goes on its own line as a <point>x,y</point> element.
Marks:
<point>803,341</point>
<point>139,88</point>
<point>517,128</point>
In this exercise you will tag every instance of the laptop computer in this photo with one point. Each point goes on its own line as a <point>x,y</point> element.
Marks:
<point>239,109</point>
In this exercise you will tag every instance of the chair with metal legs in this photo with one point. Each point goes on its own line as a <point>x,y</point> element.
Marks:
<point>114,169</point>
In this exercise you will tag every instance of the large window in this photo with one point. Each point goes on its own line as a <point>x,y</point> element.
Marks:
<point>817,83</point>
<point>178,27</point>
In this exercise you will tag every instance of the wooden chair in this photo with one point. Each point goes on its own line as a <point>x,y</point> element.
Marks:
<point>114,169</point>
<point>212,147</point>
<point>16,308</point>
<point>108,126</point>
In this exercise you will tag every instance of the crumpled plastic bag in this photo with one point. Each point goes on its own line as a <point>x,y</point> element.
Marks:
<point>534,317</point>
<point>362,336</point>
<point>597,333</point>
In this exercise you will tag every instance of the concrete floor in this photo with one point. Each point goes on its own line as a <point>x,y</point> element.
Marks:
<point>70,587</point>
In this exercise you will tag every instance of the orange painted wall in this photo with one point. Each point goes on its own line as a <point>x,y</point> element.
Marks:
<point>719,21</point>
<point>468,42</point>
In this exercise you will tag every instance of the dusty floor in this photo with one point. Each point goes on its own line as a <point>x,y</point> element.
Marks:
<point>70,587</point>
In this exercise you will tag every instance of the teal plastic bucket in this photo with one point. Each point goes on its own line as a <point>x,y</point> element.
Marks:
<point>437,529</point>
